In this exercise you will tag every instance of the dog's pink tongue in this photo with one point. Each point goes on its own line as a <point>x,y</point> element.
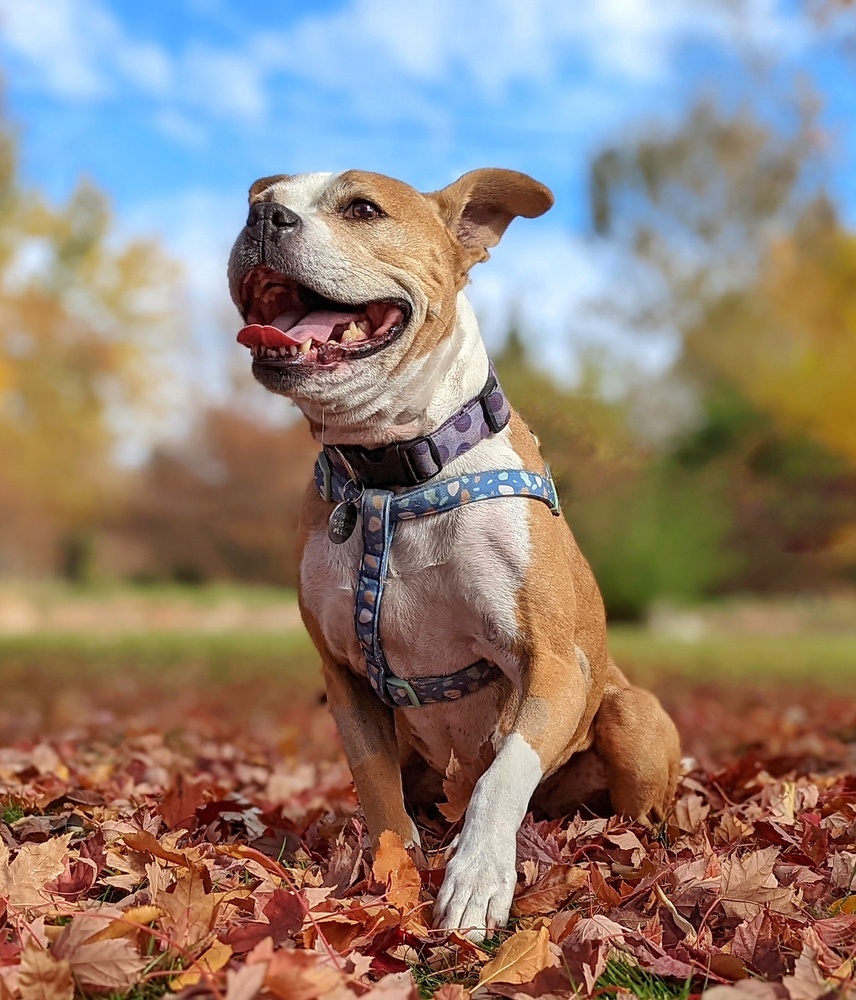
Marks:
<point>287,330</point>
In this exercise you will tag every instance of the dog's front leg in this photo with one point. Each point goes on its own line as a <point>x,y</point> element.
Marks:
<point>479,885</point>
<point>367,731</point>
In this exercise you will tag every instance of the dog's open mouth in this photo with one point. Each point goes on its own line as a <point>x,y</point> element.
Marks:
<point>290,324</point>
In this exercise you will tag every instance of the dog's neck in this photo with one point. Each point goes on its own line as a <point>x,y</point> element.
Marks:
<point>416,399</point>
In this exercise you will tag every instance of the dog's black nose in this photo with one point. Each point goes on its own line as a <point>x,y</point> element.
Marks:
<point>272,213</point>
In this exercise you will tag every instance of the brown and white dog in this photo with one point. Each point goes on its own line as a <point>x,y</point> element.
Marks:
<point>367,276</point>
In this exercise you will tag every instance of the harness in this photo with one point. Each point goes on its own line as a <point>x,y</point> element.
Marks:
<point>358,480</point>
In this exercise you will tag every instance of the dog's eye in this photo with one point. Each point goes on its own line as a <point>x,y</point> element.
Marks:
<point>363,209</point>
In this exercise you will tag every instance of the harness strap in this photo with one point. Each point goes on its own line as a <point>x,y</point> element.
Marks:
<point>381,511</point>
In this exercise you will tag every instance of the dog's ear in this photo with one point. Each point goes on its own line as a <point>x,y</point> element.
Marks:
<point>478,207</point>
<point>263,183</point>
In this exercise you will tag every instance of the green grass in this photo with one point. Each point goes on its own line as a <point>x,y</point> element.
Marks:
<point>641,984</point>
<point>827,660</point>
<point>816,659</point>
<point>218,656</point>
<point>44,593</point>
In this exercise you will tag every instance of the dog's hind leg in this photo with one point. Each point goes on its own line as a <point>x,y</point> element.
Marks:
<point>639,750</point>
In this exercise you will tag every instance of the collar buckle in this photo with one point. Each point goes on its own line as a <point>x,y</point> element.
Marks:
<point>413,459</point>
<point>490,418</point>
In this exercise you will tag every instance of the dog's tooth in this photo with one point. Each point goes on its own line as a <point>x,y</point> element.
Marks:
<point>306,346</point>
<point>283,352</point>
<point>293,350</point>
<point>352,332</point>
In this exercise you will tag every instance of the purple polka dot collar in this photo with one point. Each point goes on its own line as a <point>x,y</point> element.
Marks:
<point>411,463</point>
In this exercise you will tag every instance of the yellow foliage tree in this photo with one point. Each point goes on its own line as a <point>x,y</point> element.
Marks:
<point>85,327</point>
<point>789,341</point>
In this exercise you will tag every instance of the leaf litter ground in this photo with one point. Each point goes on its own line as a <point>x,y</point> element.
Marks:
<point>205,841</point>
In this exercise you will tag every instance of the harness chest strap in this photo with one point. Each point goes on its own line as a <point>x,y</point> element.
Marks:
<point>381,511</point>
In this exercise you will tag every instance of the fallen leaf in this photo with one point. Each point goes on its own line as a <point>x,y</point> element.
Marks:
<point>145,843</point>
<point>189,910</point>
<point>460,780</point>
<point>452,991</point>
<point>550,891</point>
<point>106,966</point>
<point>212,960</point>
<point>180,802</point>
<point>23,879</point>
<point>300,975</point>
<point>519,959</point>
<point>43,977</point>
<point>394,867</point>
<point>748,884</point>
<point>245,982</point>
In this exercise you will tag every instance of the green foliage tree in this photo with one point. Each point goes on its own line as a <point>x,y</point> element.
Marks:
<point>743,258</point>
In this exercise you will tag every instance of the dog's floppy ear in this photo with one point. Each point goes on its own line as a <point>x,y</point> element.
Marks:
<point>263,183</point>
<point>478,207</point>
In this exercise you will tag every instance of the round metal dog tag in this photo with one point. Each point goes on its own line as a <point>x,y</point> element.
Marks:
<point>342,522</point>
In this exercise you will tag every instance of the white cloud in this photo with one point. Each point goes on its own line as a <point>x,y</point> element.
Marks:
<point>382,53</point>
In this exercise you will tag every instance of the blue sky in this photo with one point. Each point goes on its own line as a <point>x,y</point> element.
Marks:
<point>173,108</point>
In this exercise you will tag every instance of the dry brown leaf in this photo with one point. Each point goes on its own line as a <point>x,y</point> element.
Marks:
<point>394,986</point>
<point>748,884</point>
<point>551,891</point>
<point>460,780</point>
<point>244,983</point>
<point>395,868</point>
<point>452,991</point>
<point>189,911</point>
<point>23,879</point>
<point>519,959</point>
<point>300,975</point>
<point>690,812</point>
<point>43,977</point>
<point>105,966</point>
<point>180,802</point>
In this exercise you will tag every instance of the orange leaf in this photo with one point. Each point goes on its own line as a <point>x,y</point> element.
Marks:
<point>460,780</point>
<point>179,804</point>
<point>394,866</point>
<point>42,977</point>
<point>300,975</point>
<point>145,843</point>
<point>549,892</point>
<point>519,959</point>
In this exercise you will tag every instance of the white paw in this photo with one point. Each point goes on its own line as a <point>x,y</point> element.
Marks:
<point>477,891</point>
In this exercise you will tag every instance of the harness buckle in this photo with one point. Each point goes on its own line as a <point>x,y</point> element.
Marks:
<point>406,687</point>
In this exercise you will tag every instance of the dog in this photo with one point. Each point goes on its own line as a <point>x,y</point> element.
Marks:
<point>492,634</point>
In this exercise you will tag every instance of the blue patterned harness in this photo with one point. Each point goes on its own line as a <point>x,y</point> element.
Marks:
<point>381,510</point>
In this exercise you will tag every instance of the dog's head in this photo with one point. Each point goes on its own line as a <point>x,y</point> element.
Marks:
<point>342,279</point>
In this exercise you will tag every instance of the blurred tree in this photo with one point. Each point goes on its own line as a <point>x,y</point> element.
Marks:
<point>651,531</point>
<point>225,503</point>
<point>85,324</point>
<point>741,256</point>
